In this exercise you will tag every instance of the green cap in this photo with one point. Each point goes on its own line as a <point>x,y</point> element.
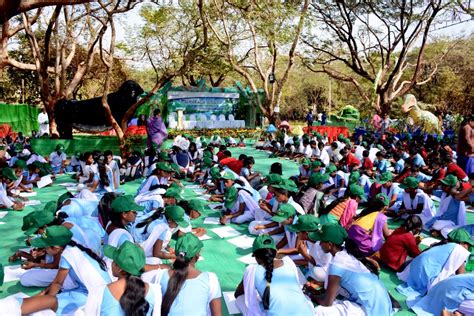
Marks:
<point>385,177</point>
<point>51,207</point>
<point>384,198</point>
<point>331,168</point>
<point>35,220</point>
<point>316,164</point>
<point>164,166</point>
<point>305,223</point>
<point>410,182</point>
<point>305,161</point>
<point>230,196</point>
<point>354,177</point>
<point>357,190</point>
<point>164,156</point>
<point>228,176</point>
<point>188,246</point>
<point>18,147</point>
<point>215,173</point>
<point>347,140</point>
<point>63,197</point>
<point>176,213</point>
<point>286,184</point>
<point>197,205</point>
<point>460,235</point>
<point>53,236</point>
<point>284,212</point>
<point>207,162</point>
<point>19,164</point>
<point>175,167</point>
<point>173,193</point>
<point>37,164</point>
<point>9,174</point>
<point>340,137</point>
<point>207,154</point>
<point>59,147</point>
<point>263,242</point>
<point>296,143</point>
<point>450,180</point>
<point>273,178</point>
<point>331,232</point>
<point>129,257</point>
<point>125,203</point>
<point>317,178</point>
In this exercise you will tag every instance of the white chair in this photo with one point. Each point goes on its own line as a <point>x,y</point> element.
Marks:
<point>231,117</point>
<point>202,117</point>
<point>173,115</point>
<point>213,118</point>
<point>222,117</point>
<point>192,117</point>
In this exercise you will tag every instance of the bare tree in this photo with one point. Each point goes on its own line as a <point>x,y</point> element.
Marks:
<point>272,31</point>
<point>55,47</point>
<point>368,43</point>
<point>172,47</point>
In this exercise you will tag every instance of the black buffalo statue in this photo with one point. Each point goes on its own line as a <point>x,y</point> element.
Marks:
<point>89,115</point>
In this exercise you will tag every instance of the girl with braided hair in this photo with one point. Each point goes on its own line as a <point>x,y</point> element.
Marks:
<point>351,271</point>
<point>267,286</point>
<point>188,291</point>
<point>84,267</point>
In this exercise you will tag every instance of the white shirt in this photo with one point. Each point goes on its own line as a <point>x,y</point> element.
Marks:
<point>359,152</point>
<point>56,160</point>
<point>308,151</point>
<point>43,122</point>
<point>324,157</point>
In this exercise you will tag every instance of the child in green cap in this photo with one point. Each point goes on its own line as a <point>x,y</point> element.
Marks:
<point>128,294</point>
<point>85,267</point>
<point>57,159</point>
<point>311,196</point>
<point>452,209</point>
<point>441,261</point>
<point>342,210</point>
<point>155,232</point>
<point>349,270</point>
<point>274,281</point>
<point>188,291</point>
<point>414,201</point>
<point>7,177</point>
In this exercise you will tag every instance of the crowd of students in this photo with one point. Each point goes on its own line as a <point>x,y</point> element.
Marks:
<point>321,236</point>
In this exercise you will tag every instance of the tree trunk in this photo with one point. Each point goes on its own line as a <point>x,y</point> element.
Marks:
<point>49,105</point>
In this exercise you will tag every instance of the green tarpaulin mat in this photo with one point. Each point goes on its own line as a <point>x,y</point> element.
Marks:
<point>219,255</point>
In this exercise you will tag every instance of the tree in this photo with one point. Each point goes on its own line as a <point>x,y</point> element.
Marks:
<point>54,47</point>
<point>12,8</point>
<point>371,41</point>
<point>272,31</point>
<point>170,42</point>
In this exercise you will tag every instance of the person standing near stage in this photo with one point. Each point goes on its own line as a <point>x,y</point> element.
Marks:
<point>465,148</point>
<point>156,129</point>
<point>309,118</point>
<point>43,121</point>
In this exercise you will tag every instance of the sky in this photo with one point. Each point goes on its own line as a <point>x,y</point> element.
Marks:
<point>131,21</point>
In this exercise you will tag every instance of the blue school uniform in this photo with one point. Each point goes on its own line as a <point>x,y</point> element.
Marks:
<point>447,294</point>
<point>111,307</point>
<point>193,297</point>
<point>423,269</point>
<point>364,289</point>
<point>81,207</point>
<point>71,300</point>
<point>283,287</point>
